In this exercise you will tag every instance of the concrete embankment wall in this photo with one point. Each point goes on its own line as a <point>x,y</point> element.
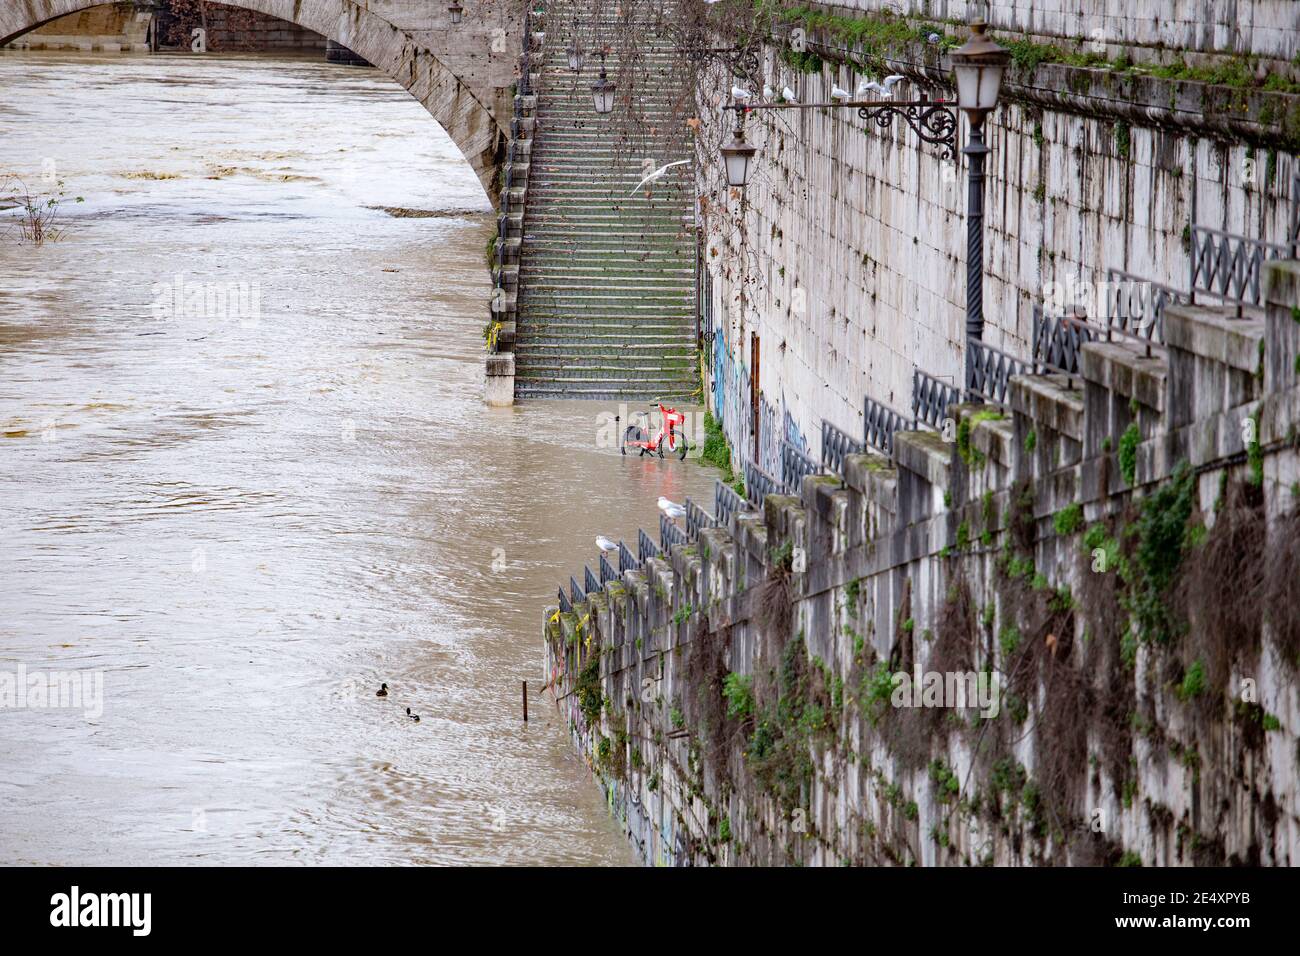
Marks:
<point>1121,551</point>
<point>847,260</point>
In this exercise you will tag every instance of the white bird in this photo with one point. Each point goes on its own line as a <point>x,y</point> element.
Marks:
<point>767,92</point>
<point>787,94</point>
<point>657,174</point>
<point>671,508</point>
<point>870,86</point>
<point>739,93</point>
<point>838,94</point>
<point>605,544</point>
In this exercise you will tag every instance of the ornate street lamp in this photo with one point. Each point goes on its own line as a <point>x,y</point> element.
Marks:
<point>738,154</point>
<point>575,57</point>
<point>456,11</point>
<point>602,91</point>
<point>977,67</point>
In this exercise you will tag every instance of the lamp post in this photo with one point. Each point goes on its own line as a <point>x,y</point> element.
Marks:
<point>602,91</point>
<point>456,11</point>
<point>977,68</point>
<point>737,154</point>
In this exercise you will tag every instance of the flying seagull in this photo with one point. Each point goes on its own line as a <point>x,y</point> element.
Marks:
<point>870,86</point>
<point>657,174</point>
<point>671,508</point>
<point>605,544</point>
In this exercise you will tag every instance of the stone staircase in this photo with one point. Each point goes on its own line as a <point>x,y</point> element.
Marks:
<point>606,291</point>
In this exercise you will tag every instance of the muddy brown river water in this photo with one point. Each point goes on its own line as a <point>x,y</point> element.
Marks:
<point>246,475</point>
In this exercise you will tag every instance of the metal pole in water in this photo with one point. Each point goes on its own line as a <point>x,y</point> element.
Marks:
<point>524,689</point>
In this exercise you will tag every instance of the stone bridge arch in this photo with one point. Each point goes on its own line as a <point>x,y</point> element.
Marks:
<point>461,74</point>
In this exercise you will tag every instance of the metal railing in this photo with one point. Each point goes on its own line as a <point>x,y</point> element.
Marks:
<point>589,582</point>
<point>990,370</point>
<point>670,535</point>
<point>726,503</point>
<point>879,422</point>
<point>696,519</point>
<point>931,398</point>
<point>1136,306</point>
<point>836,445</point>
<point>565,606</point>
<point>576,594</point>
<point>1058,340</point>
<point>607,572</point>
<point>759,484</point>
<point>795,466</point>
<point>1228,266</point>
<point>625,560</point>
<point>645,547</point>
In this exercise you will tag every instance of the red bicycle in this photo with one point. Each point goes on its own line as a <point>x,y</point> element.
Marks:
<point>635,437</point>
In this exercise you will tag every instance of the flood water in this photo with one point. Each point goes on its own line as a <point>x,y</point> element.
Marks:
<point>247,504</point>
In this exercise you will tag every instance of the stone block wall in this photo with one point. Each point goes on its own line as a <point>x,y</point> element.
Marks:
<point>850,246</point>
<point>1118,554</point>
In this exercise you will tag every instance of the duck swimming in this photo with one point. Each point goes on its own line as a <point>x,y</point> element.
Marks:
<point>383,691</point>
<point>414,717</point>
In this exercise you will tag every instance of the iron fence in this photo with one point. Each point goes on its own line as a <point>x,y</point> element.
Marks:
<point>759,484</point>
<point>607,572</point>
<point>836,445</point>
<point>565,606</point>
<point>696,519</point>
<point>1136,306</point>
<point>726,503</point>
<point>1228,266</point>
<point>646,548</point>
<point>625,560</point>
<point>670,535</point>
<point>795,466</point>
<point>931,398</point>
<point>1058,340</point>
<point>990,370</point>
<point>879,422</point>
<point>589,582</point>
<point>575,593</point>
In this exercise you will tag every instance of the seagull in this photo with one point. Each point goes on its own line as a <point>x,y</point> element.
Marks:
<point>415,718</point>
<point>739,93</point>
<point>787,94</point>
<point>767,92</point>
<point>657,174</point>
<point>671,508</point>
<point>870,86</point>
<point>838,94</point>
<point>605,544</point>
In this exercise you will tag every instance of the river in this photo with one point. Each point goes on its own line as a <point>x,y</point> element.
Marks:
<point>248,504</point>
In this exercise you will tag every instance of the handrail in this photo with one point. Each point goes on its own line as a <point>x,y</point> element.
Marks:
<point>795,466</point>
<point>1058,340</point>
<point>646,548</point>
<point>1124,291</point>
<point>759,484</point>
<point>931,398</point>
<point>1228,266</point>
<point>726,502</point>
<point>625,560</point>
<point>607,572</point>
<point>879,422</point>
<point>697,519</point>
<point>589,582</point>
<point>990,370</point>
<point>836,446</point>
<point>670,535</point>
